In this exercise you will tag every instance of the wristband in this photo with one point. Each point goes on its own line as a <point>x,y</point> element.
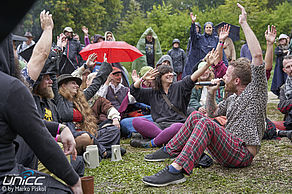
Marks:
<point>221,43</point>
<point>142,80</point>
<point>56,138</point>
<point>85,66</point>
<point>60,129</point>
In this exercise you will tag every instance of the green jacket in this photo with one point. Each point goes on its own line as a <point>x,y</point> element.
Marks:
<point>196,97</point>
<point>142,61</point>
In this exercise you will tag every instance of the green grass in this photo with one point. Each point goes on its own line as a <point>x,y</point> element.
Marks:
<point>270,172</point>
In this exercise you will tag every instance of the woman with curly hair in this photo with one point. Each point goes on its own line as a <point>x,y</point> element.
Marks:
<point>74,109</point>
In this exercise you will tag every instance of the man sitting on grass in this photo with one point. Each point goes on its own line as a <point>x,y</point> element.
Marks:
<point>233,146</point>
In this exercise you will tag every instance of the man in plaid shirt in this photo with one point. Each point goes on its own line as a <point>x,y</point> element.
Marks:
<point>239,142</point>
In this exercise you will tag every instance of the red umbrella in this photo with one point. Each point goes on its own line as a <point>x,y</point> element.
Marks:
<point>115,51</point>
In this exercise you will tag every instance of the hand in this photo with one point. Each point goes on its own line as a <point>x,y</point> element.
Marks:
<point>77,188</point>
<point>46,20</point>
<point>116,123</point>
<point>193,17</point>
<point>109,78</point>
<point>135,76</point>
<point>202,110</point>
<point>212,57</point>
<point>90,60</point>
<point>224,32</point>
<point>85,30</point>
<point>243,15</point>
<point>61,40</point>
<point>68,141</point>
<point>150,75</point>
<point>212,89</point>
<point>271,34</point>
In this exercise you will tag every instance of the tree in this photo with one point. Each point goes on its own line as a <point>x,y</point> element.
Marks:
<point>132,25</point>
<point>113,9</point>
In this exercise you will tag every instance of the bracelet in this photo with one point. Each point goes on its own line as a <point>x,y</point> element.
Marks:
<point>221,43</point>
<point>60,129</point>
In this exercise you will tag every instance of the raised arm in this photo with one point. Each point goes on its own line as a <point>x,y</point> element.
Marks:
<point>270,36</point>
<point>42,48</point>
<point>210,59</point>
<point>224,32</point>
<point>252,41</point>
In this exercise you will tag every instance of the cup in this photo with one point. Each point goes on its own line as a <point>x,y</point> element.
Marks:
<point>91,157</point>
<point>116,153</point>
<point>87,183</point>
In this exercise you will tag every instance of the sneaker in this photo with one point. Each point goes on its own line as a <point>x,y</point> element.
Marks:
<point>164,178</point>
<point>138,143</point>
<point>158,156</point>
<point>136,136</point>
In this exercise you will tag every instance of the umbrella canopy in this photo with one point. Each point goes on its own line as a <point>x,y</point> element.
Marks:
<point>115,51</point>
<point>234,30</point>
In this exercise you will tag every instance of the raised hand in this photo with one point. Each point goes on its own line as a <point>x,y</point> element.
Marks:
<point>46,20</point>
<point>61,40</point>
<point>150,75</point>
<point>243,15</point>
<point>224,32</point>
<point>85,30</point>
<point>193,17</point>
<point>271,34</point>
<point>213,56</point>
<point>90,61</point>
<point>135,76</point>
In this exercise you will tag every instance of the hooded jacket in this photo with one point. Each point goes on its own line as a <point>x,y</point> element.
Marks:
<point>18,115</point>
<point>178,57</point>
<point>107,33</point>
<point>142,61</point>
<point>201,44</point>
<point>167,58</point>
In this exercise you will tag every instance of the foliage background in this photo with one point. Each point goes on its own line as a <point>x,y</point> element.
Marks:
<point>128,19</point>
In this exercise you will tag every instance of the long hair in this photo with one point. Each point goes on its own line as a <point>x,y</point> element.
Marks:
<point>81,104</point>
<point>162,69</point>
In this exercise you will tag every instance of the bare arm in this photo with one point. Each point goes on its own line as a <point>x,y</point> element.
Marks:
<point>42,48</point>
<point>224,32</point>
<point>252,41</point>
<point>211,105</point>
<point>210,59</point>
<point>270,36</point>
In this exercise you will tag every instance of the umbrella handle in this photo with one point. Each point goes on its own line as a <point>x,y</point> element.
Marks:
<point>104,58</point>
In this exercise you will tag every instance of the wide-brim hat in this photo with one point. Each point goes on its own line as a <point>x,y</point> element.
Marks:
<point>64,78</point>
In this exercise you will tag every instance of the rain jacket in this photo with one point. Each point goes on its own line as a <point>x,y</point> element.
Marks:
<point>280,76</point>
<point>142,61</point>
<point>72,49</point>
<point>107,33</point>
<point>200,46</point>
<point>178,57</point>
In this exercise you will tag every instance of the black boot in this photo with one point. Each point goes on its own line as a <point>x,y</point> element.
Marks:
<point>288,134</point>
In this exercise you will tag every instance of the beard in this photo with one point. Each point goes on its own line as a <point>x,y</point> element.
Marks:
<point>230,88</point>
<point>46,92</point>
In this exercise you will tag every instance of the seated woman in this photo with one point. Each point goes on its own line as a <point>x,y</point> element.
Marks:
<point>73,108</point>
<point>168,101</point>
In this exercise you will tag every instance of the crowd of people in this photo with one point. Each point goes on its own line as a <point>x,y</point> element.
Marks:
<point>59,100</point>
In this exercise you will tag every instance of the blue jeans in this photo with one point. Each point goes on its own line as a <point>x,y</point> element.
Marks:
<point>127,125</point>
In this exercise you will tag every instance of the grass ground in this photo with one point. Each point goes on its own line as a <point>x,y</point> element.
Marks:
<point>270,172</point>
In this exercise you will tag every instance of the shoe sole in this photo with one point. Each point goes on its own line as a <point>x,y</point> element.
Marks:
<point>165,184</point>
<point>157,160</point>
